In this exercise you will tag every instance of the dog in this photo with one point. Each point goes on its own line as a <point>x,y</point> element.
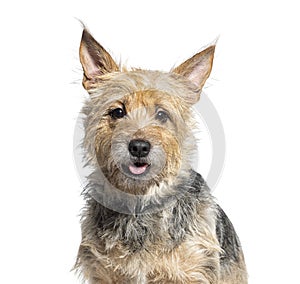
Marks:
<point>149,217</point>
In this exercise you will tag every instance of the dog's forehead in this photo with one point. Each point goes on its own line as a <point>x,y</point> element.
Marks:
<point>149,99</point>
<point>122,85</point>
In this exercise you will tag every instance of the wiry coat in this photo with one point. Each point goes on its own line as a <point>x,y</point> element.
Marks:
<point>190,241</point>
<point>171,230</point>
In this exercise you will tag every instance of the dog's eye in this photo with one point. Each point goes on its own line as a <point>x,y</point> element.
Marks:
<point>117,113</point>
<point>162,116</point>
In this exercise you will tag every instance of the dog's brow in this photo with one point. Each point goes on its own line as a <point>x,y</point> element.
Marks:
<point>161,107</point>
<point>117,103</point>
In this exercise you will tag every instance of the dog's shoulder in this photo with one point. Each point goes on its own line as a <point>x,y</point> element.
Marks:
<point>225,232</point>
<point>227,237</point>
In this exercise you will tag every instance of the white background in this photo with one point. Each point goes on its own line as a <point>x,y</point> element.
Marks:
<point>254,86</point>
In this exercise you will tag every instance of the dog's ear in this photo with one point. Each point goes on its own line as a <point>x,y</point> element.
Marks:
<point>95,61</point>
<point>197,69</point>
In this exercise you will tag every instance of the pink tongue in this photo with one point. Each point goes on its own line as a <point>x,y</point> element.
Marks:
<point>137,170</point>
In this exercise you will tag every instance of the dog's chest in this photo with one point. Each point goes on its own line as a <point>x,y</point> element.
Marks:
<point>136,234</point>
<point>162,264</point>
<point>153,248</point>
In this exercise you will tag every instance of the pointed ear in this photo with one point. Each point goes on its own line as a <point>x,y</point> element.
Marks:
<point>198,67</point>
<point>95,61</point>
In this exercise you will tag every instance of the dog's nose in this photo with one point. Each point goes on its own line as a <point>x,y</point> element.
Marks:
<point>139,148</point>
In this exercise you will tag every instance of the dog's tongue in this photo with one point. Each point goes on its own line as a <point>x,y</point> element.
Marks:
<point>137,170</point>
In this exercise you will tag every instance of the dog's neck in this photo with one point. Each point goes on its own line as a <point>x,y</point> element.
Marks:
<point>157,197</point>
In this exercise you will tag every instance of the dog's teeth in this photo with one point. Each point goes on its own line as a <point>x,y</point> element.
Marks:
<point>137,170</point>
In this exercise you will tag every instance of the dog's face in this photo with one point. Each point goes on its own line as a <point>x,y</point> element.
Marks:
<point>138,122</point>
<point>140,139</point>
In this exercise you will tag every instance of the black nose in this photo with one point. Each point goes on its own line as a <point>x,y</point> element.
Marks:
<point>139,148</point>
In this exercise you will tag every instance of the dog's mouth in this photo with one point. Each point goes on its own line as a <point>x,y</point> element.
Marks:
<point>138,168</point>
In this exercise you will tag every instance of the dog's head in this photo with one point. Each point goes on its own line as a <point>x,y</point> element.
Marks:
<point>138,123</point>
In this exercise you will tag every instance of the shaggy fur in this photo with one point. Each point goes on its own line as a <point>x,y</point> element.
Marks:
<point>163,225</point>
